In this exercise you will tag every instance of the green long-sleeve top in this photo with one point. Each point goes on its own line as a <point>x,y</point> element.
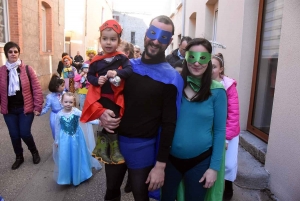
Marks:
<point>202,125</point>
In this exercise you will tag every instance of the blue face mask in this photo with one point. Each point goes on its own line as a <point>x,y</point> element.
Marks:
<point>162,36</point>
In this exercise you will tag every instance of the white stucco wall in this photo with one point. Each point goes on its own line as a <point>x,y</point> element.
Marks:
<point>82,27</point>
<point>97,13</point>
<point>283,158</point>
<point>237,27</point>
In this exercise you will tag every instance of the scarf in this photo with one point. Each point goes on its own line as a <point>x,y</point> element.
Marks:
<point>14,82</point>
<point>68,69</point>
<point>194,83</point>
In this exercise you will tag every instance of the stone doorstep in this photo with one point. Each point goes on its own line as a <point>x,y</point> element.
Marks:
<point>251,172</point>
<point>254,146</point>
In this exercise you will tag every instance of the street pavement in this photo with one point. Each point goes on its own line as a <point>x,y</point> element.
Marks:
<point>35,182</point>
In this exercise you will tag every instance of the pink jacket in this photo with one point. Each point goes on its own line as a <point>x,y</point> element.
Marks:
<point>233,112</point>
<point>78,85</point>
<point>31,103</point>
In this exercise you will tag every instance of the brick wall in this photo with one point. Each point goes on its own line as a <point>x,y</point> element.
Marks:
<point>25,30</point>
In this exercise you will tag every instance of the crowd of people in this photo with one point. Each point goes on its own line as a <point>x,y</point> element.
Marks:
<point>171,121</point>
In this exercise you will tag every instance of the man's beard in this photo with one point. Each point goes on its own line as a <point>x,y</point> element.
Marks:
<point>157,54</point>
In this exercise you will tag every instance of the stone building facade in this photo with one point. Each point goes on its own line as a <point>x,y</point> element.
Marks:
<point>134,26</point>
<point>38,27</point>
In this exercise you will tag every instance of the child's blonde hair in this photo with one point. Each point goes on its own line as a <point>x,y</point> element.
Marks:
<point>68,94</point>
<point>128,49</point>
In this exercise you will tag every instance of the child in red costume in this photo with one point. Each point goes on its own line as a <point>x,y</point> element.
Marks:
<point>104,95</point>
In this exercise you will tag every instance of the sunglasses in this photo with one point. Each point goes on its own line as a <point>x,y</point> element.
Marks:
<point>15,51</point>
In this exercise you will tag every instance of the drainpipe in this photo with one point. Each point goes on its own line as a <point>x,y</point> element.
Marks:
<point>50,63</point>
<point>85,26</point>
<point>183,17</point>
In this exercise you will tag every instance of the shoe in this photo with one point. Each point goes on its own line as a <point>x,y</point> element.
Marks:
<point>35,157</point>
<point>102,147</point>
<point>127,188</point>
<point>115,154</point>
<point>18,162</point>
<point>228,192</point>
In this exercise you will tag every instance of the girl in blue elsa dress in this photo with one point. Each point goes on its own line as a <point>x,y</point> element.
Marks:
<point>74,143</point>
<point>57,87</point>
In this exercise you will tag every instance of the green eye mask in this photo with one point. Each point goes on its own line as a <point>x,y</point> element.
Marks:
<point>200,57</point>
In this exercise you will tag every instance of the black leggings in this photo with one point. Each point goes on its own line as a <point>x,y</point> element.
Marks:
<point>109,104</point>
<point>114,178</point>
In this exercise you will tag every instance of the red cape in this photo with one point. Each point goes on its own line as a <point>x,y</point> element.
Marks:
<point>92,109</point>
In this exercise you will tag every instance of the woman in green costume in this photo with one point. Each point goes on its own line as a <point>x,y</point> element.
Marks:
<point>197,151</point>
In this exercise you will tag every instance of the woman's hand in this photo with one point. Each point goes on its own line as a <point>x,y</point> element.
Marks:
<point>210,176</point>
<point>111,73</point>
<point>102,80</point>
<point>36,113</point>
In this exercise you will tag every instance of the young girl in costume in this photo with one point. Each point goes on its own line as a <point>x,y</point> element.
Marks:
<point>103,94</point>
<point>82,84</point>
<point>198,145</point>
<point>68,73</point>
<point>232,123</point>
<point>56,86</point>
<point>73,145</point>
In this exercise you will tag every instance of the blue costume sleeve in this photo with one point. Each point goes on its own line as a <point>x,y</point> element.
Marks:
<point>47,106</point>
<point>219,128</point>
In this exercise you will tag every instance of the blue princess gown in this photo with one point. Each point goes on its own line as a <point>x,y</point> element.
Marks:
<point>72,156</point>
<point>53,102</point>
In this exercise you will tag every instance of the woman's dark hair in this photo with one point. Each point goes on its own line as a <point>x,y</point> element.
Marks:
<point>64,54</point>
<point>219,57</point>
<point>55,82</point>
<point>204,92</point>
<point>9,45</point>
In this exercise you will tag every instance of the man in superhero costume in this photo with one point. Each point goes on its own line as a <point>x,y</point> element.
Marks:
<point>152,97</point>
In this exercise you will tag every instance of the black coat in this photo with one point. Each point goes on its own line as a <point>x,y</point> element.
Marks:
<point>173,57</point>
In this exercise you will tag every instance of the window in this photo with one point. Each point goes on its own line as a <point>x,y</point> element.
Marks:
<point>133,37</point>
<point>46,27</point>
<point>3,22</point>
<point>214,36</point>
<point>265,67</point>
